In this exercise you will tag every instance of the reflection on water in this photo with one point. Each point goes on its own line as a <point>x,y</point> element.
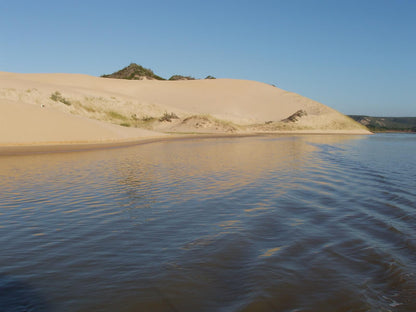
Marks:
<point>283,223</point>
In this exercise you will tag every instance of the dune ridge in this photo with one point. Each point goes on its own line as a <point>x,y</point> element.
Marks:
<point>76,108</point>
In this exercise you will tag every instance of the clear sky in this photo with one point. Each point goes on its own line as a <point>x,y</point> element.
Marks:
<point>357,56</point>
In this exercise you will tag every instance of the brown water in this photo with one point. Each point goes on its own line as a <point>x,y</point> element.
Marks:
<point>289,223</point>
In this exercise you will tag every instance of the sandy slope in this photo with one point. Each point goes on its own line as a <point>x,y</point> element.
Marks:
<point>215,105</point>
<point>22,123</point>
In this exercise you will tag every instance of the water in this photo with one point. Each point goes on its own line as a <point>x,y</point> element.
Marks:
<point>282,223</point>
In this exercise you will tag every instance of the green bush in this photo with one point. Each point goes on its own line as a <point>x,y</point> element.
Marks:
<point>180,77</point>
<point>57,97</point>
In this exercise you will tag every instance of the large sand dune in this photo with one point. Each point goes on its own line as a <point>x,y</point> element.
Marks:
<point>41,109</point>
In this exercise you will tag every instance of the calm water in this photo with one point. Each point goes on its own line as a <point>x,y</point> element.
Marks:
<point>284,223</point>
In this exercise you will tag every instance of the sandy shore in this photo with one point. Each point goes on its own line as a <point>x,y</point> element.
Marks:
<point>35,148</point>
<point>63,112</point>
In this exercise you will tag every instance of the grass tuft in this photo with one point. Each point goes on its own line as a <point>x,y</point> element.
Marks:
<point>116,115</point>
<point>57,97</point>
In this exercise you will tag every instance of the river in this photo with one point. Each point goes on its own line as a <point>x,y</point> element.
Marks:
<point>268,223</point>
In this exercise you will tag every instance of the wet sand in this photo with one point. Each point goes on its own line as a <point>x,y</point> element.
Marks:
<point>27,149</point>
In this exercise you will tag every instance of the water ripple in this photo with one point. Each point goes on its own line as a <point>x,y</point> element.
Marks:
<point>290,223</point>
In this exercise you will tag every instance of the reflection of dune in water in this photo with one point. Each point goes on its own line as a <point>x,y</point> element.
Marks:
<point>270,252</point>
<point>207,168</point>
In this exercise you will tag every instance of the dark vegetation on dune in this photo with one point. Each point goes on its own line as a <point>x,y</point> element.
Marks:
<point>138,72</point>
<point>180,77</point>
<point>134,72</point>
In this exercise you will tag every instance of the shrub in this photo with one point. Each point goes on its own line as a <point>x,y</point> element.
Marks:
<point>57,97</point>
<point>180,77</point>
<point>148,118</point>
<point>134,71</point>
<point>168,117</point>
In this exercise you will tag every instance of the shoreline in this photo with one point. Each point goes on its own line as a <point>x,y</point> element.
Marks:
<point>68,147</point>
<point>394,131</point>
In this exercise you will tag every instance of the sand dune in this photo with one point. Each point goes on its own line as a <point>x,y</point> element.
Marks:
<point>42,109</point>
<point>22,123</point>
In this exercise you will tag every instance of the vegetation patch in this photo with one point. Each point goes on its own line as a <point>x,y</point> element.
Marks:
<point>138,72</point>
<point>383,124</point>
<point>134,72</point>
<point>168,117</point>
<point>148,118</point>
<point>180,77</point>
<point>57,97</point>
<point>87,108</point>
<point>145,122</point>
<point>116,115</point>
<point>296,116</point>
<point>210,123</point>
<point>271,126</point>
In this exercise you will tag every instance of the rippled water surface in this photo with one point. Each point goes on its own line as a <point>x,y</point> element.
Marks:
<point>283,223</point>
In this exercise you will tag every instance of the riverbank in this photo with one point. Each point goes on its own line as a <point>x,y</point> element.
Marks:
<point>66,147</point>
<point>65,112</point>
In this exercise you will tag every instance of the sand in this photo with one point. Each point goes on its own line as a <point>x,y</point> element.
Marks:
<point>65,109</point>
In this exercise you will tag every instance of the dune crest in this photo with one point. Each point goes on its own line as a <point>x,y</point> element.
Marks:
<point>42,107</point>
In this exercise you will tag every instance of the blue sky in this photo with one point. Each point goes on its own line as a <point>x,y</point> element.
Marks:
<point>355,56</point>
